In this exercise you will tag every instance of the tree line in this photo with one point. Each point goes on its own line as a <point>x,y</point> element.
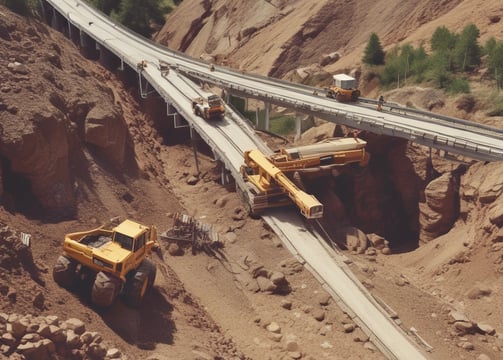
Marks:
<point>452,57</point>
<point>142,16</point>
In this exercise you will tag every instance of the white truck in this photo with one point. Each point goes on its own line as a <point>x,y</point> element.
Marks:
<point>210,107</point>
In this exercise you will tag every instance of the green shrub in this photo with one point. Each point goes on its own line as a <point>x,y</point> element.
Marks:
<point>496,104</point>
<point>282,125</point>
<point>458,86</point>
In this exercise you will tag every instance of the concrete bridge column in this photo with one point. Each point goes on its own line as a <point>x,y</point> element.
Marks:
<point>88,46</point>
<point>74,33</point>
<point>267,107</point>
<point>107,58</point>
<point>57,21</point>
<point>298,122</point>
<point>172,113</point>
<point>43,6</point>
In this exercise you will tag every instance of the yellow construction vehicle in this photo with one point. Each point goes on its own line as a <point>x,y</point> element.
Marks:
<point>267,182</point>
<point>267,186</point>
<point>116,260</point>
<point>210,107</point>
<point>324,155</point>
<point>343,88</point>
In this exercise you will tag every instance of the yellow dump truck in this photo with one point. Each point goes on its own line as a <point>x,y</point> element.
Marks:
<point>116,260</point>
<point>343,88</point>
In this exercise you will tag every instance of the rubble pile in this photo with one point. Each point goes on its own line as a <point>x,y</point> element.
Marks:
<point>47,337</point>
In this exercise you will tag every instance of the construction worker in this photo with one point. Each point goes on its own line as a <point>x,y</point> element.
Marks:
<point>380,103</point>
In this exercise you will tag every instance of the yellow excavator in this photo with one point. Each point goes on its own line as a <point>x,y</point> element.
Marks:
<point>267,182</point>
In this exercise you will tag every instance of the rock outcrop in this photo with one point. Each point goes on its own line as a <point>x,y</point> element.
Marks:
<point>50,105</point>
<point>440,210</point>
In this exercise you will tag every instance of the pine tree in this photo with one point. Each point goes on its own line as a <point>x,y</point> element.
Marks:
<point>467,50</point>
<point>495,62</point>
<point>374,53</point>
<point>442,39</point>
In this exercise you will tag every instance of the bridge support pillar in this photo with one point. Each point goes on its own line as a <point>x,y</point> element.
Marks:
<point>88,46</point>
<point>172,113</point>
<point>108,58</point>
<point>43,5</point>
<point>56,21</point>
<point>298,122</point>
<point>267,107</point>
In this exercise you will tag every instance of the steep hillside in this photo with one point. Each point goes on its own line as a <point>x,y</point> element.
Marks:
<point>295,33</point>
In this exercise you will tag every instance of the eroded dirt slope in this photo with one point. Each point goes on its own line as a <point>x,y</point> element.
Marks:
<point>297,33</point>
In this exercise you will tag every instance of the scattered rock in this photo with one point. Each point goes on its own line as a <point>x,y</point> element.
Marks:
<point>486,329</point>
<point>483,357</point>
<point>231,237</point>
<point>349,328</point>
<point>464,327</point>
<point>265,284</point>
<point>286,304</point>
<point>291,343</point>
<point>319,314</point>
<point>38,300</point>
<point>273,327</point>
<point>51,339</point>
<point>359,336</point>
<point>295,354</point>
<point>192,180</point>
<point>369,346</point>
<point>353,238</point>
<point>174,250</point>
<point>466,345</point>
<point>478,292</point>
<point>377,241</point>
<point>326,345</point>
<point>277,277</point>
<point>328,59</point>
<point>386,251</point>
<point>324,299</point>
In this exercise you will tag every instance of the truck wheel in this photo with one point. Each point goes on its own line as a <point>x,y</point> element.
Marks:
<point>64,271</point>
<point>151,270</point>
<point>105,289</point>
<point>136,286</point>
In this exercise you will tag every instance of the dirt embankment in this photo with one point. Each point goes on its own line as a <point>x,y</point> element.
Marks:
<point>295,34</point>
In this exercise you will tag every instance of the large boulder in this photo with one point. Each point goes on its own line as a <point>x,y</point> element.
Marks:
<point>440,210</point>
<point>40,154</point>
<point>107,130</point>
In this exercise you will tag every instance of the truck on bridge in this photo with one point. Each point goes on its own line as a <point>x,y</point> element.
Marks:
<point>209,107</point>
<point>267,178</point>
<point>343,88</point>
